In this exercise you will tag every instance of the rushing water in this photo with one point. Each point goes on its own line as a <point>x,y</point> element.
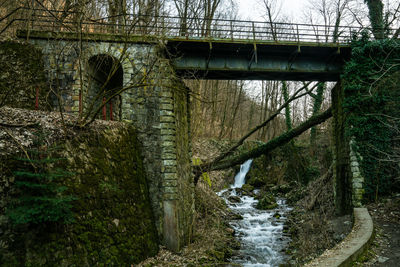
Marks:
<point>259,232</point>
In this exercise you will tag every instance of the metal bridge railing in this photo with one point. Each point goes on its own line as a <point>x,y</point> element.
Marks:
<point>171,27</point>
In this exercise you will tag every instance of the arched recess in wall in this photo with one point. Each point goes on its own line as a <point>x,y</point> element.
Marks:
<point>105,80</point>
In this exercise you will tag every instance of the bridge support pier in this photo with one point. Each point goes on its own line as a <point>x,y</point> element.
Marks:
<point>347,178</point>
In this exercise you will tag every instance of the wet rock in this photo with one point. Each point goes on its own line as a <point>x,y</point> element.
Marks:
<point>282,189</point>
<point>230,231</point>
<point>382,259</point>
<point>235,216</point>
<point>277,215</point>
<point>267,202</point>
<point>234,199</point>
<point>246,188</point>
<point>226,193</point>
<point>256,182</point>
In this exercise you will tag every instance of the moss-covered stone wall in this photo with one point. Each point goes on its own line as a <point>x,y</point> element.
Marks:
<point>114,224</point>
<point>154,102</point>
<point>183,156</point>
<point>341,154</point>
<point>21,75</point>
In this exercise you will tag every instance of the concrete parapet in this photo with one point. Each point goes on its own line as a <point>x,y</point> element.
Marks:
<point>346,252</point>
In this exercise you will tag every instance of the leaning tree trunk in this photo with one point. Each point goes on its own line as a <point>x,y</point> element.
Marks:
<point>265,148</point>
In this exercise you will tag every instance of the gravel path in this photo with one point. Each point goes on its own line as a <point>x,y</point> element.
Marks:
<point>385,250</point>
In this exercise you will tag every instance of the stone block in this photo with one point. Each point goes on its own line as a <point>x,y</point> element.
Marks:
<point>165,93</point>
<point>168,131</point>
<point>169,176</point>
<point>170,184</point>
<point>171,138</point>
<point>353,157</point>
<point>355,169</point>
<point>167,113</point>
<point>170,190</point>
<point>167,107</point>
<point>170,196</point>
<point>169,149</point>
<point>168,169</point>
<point>354,164</point>
<point>169,162</point>
<point>167,119</point>
<point>167,125</point>
<point>166,156</point>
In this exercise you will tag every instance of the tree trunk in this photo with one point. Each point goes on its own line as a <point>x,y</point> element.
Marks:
<point>316,107</point>
<point>375,8</point>
<point>265,148</point>
<point>285,93</point>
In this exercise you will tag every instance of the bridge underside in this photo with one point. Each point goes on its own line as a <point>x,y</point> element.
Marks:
<point>226,60</point>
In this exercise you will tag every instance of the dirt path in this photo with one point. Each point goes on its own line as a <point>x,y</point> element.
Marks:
<point>385,249</point>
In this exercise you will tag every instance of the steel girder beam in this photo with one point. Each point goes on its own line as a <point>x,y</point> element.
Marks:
<point>257,61</point>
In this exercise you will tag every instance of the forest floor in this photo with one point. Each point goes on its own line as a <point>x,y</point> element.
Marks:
<point>312,223</point>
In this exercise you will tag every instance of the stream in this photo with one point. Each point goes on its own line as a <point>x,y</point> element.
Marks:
<point>260,233</point>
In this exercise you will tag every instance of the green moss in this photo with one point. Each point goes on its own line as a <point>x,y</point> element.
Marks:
<point>114,224</point>
<point>22,74</point>
<point>267,202</point>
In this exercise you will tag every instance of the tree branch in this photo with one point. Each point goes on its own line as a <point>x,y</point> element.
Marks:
<point>265,148</point>
<point>258,127</point>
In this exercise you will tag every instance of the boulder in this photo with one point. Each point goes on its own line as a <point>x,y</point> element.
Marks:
<point>234,199</point>
<point>267,202</point>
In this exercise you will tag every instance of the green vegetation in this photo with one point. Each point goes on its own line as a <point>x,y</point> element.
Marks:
<point>40,197</point>
<point>113,220</point>
<point>372,98</point>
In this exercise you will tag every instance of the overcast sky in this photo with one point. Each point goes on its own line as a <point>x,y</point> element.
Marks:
<point>252,9</point>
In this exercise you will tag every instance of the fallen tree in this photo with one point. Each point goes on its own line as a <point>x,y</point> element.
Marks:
<point>262,149</point>
<point>272,117</point>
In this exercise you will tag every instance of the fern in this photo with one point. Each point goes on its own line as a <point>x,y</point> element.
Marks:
<point>40,196</point>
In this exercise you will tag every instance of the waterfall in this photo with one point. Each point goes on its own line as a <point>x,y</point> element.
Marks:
<point>240,177</point>
<point>260,233</point>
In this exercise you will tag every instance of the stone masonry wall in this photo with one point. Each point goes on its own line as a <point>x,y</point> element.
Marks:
<point>159,112</point>
<point>113,221</point>
<point>357,178</point>
<point>341,155</point>
<point>21,76</point>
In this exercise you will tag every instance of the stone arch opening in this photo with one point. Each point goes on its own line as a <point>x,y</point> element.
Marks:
<point>105,79</point>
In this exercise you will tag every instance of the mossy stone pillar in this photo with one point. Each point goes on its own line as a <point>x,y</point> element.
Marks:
<point>341,154</point>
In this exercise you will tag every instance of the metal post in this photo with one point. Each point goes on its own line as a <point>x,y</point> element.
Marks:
<point>254,33</point>
<point>37,98</point>
<point>231,30</point>
<point>104,109</point>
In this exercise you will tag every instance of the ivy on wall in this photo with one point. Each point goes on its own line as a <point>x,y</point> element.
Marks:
<point>371,83</point>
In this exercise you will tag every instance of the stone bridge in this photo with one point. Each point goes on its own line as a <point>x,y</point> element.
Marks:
<point>147,67</point>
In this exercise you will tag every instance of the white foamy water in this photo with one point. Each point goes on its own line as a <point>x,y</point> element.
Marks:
<point>259,232</point>
<point>241,175</point>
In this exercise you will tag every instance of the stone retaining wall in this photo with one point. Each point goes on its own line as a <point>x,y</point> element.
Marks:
<point>153,102</point>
